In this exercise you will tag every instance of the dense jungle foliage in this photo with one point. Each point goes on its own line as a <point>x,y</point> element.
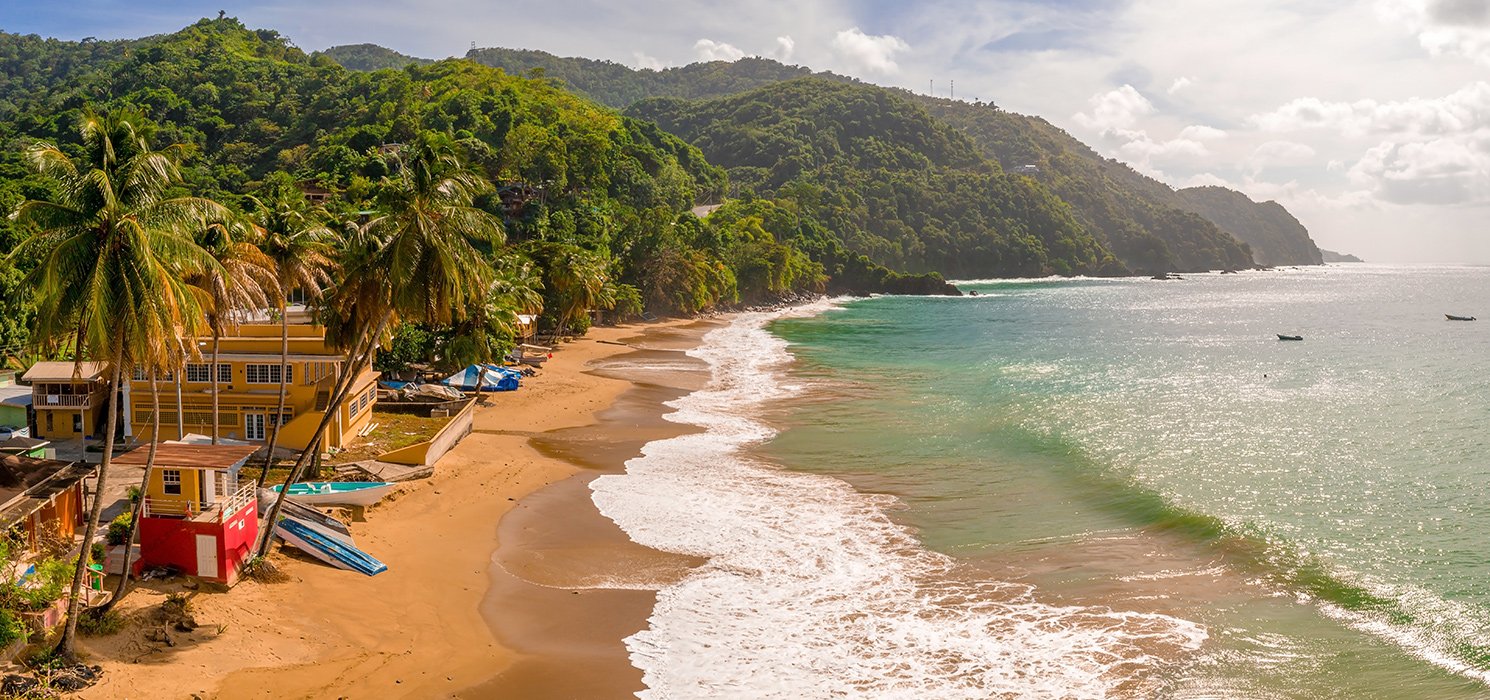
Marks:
<point>1143,222</point>
<point>595,206</point>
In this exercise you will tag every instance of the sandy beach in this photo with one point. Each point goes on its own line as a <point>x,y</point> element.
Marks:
<point>502,575</point>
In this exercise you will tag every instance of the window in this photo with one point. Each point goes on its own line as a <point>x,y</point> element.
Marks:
<point>202,373</point>
<point>171,479</point>
<point>141,375</point>
<point>268,374</point>
<point>77,424</point>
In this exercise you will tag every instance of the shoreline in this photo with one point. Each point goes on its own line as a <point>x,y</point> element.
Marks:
<point>422,629</point>
<point>568,585</point>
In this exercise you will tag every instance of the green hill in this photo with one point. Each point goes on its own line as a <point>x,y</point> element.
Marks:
<point>1143,221</point>
<point>896,184</point>
<point>370,57</point>
<point>570,175</point>
<point>1276,237</point>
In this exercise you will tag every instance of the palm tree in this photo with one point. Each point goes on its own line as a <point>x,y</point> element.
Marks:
<point>134,522</point>
<point>243,280</point>
<point>115,250</point>
<point>579,279</point>
<point>416,261</point>
<point>301,250</point>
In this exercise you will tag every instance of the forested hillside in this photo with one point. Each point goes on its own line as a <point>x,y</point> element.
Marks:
<point>900,186</point>
<point>1143,221</point>
<point>1276,237</point>
<point>370,57</point>
<point>578,187</point>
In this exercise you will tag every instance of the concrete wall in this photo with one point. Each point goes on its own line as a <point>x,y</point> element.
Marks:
<point>426,454</point>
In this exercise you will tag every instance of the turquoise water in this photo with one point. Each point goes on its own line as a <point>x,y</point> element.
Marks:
<point>1150,446</point>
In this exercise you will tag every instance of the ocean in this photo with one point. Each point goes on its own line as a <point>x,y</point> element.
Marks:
<point>1082,488</point>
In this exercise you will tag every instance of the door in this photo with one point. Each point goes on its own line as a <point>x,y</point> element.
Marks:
<point>207,556</point>
<point>253,426</point>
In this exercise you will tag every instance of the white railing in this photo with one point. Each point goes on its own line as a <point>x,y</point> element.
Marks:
<point>214,512</point>
<point>67,400</point>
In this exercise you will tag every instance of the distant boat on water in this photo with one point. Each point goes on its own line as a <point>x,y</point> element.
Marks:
<point>1290,337</point>
<point>1452,317</point>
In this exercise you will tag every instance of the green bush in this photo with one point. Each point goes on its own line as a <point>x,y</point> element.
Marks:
<point>101,625</point>
<point>119,528</point>
<point>10,628</point>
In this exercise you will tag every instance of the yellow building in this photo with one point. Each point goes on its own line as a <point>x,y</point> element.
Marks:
<point>69,399</point>
<point>248,375</point>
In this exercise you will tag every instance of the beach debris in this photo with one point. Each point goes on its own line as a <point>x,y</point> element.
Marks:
<point>15,685</point>
<point>48,682</point>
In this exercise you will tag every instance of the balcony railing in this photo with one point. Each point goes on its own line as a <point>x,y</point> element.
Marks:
<point>199,511</point>
<point>62,401</point>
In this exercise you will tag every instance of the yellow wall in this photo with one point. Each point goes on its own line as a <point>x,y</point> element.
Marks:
<point>190,486</point>
<point>62,423</point>
<point>238,397</point>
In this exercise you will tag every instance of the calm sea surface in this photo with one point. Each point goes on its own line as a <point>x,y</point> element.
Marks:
<point>1085,488</point>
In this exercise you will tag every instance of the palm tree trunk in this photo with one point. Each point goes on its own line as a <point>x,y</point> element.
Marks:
<point>180,376</point>
<point>134,523</point>
<point>362,354</point>
<point>284,359</point>
<point>67,646</point>
<point>212,370</point>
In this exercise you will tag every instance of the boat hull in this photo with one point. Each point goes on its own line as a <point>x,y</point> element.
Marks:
<point>332,493</point>
<point>327,549</point>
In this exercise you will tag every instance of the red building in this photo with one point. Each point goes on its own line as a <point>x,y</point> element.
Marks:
<point>195,516</point>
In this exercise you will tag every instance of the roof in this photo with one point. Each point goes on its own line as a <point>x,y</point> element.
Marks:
<point>40,480</point>
<point>23,443</point>
<point>64,371</point>
<point>15,395</point>
<point>178,456</point>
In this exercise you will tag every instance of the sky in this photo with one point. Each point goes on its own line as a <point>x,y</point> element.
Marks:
<point>1368,119</point>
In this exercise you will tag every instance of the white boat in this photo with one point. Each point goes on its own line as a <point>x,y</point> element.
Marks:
<point>339,493</point>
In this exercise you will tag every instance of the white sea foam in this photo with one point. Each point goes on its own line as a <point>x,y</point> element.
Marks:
<point>811,591</point>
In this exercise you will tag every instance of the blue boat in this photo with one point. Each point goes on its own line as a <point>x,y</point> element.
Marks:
<point>332,551</point>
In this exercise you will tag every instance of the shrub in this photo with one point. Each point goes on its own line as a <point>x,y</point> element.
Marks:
<point>94,625</point>
<point>119,528</point>
<point>10,628</point>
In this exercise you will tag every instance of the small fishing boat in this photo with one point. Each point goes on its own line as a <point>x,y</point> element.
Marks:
<point>1290,337</point>
<point>330,550</point>
<point>339,493</point>
<point>1452,317</point>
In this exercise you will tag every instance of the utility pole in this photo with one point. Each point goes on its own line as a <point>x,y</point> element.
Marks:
<point>953,86</point>
<point>931,87</point>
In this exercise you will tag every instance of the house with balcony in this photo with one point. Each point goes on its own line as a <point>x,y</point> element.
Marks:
<point>69,399</point>
<point>195,516</point>
<point>248,375</point>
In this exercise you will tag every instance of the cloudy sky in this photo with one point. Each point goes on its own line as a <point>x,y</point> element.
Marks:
<point>1369,119</point>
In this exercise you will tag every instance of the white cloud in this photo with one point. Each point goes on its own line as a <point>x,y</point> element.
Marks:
<point>1463,110</point>
<point>1179,84</point>
<point>646,62</point>
<point>1115,110</point>
<point>1274,153</point>
<point>785,46</point>
<point>1200,132</point>
<point>1444,27</point>
<point>875,54</point>
<point>1441,171</point>
<point>710,50</point>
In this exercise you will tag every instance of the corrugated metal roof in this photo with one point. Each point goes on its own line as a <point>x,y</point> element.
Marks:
<point>175,456</point>
<point>63,371</point>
